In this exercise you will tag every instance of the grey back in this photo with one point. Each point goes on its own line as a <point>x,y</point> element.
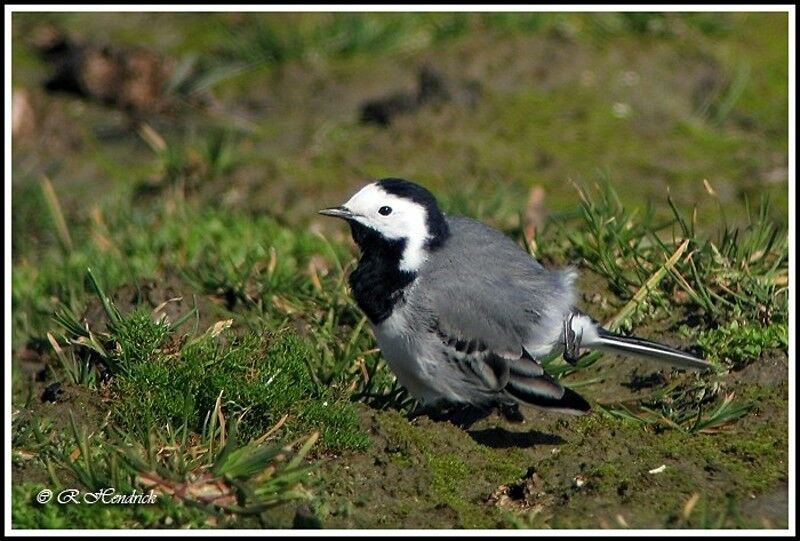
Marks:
<point>481,285</point>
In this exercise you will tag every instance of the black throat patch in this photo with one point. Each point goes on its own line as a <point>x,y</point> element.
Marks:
<point>378,282</point>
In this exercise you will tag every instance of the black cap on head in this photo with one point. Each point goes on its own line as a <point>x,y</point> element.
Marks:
<point>437,225</point>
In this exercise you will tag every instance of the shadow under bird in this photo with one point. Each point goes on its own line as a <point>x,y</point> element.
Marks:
<point>462,314</point>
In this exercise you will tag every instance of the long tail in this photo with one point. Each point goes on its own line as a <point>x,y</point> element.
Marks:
<point>583,332</point>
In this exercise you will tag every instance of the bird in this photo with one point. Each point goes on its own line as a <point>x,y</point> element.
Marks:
<point>462,314</point>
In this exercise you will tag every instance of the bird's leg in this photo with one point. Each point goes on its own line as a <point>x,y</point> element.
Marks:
<point>422,409</point>
<point>510,412</point>
<point>437,410</point>
<point>572,342</point>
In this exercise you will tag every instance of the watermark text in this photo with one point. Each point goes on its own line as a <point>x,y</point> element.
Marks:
<point>104,496</point>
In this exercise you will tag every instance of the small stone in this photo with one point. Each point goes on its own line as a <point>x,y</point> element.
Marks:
<point>621,110</point>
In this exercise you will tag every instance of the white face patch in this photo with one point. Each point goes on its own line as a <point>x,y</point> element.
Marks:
<point>407,220</point>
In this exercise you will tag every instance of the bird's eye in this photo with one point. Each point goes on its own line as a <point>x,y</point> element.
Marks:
<point>385,211</point>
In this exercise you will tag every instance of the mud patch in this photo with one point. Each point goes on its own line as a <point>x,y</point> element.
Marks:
<point>555,471</point>
<point>419,474</point>
<point>771,369</point>
<point>771,508</point>
<point>524,495</point>
<point>39,422</point>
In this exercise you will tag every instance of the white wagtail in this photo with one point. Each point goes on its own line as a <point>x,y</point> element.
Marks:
<point>461,313</point>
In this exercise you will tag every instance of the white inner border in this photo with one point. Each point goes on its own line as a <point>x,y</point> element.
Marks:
<point>9,9</point>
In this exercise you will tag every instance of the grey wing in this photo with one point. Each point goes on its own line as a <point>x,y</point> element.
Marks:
<point>501,374</point>
<point>493,369</point>
<point>495,309</point>
<point>481,285</point>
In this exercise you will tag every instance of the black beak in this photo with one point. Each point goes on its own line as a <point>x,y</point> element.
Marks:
<point>338,212</point>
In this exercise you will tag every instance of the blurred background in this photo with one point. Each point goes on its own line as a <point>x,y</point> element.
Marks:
<point>285,113</point>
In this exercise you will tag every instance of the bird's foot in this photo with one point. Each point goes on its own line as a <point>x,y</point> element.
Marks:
<point>511,412</point>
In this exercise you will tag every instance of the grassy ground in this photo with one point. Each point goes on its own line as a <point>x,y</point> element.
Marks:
<point>181,320</point>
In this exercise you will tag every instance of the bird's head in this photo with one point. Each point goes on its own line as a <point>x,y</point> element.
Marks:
<point>395,214</point>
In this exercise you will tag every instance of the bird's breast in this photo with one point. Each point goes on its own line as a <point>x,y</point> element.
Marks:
<point>395,338</point>
<point>405,352</point>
